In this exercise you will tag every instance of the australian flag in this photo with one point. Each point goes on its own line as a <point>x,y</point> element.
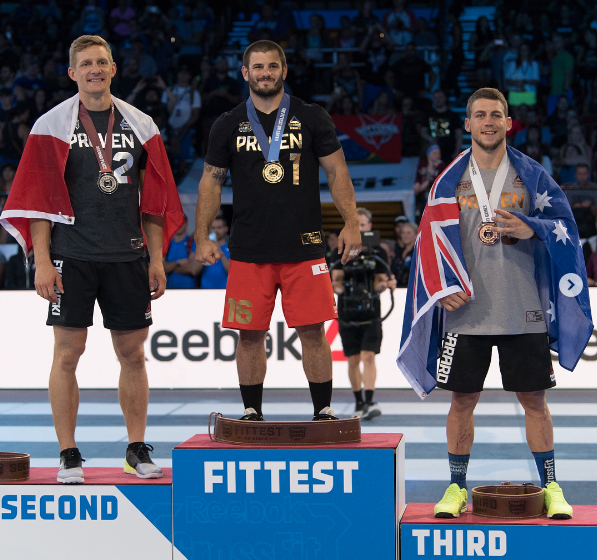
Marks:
<point>439,270</point>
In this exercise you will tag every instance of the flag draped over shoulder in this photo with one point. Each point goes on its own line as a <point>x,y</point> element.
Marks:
<point>440,270</point>
<point>39,189</point>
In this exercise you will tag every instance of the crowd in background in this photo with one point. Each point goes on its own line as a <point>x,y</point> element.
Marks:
<point>175,64</point>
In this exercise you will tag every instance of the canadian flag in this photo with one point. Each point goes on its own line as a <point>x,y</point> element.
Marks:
<point>39,189</point>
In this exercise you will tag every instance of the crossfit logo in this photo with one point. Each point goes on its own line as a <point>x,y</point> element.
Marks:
<point>445,362</point>
<point>56,306</point>
<point>549,470</point>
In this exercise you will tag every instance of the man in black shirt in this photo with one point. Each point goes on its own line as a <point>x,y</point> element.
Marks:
<point>443,127</point>
<point>276,238</point>
<point>95,251</point>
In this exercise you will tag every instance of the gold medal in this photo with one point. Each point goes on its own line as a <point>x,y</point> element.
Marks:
<point>273,172</point>
<point>486,236</point>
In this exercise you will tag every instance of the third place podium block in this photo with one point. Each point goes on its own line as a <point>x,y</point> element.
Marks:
<point>333,502</point>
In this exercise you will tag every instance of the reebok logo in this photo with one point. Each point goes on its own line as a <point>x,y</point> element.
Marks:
<point>445,362</point>
<point>56,306</point>
<point>320,268</point>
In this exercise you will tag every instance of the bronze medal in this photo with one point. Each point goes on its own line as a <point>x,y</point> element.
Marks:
<point>486,236</point>
<point>107,183</point>
<point>273,172</point>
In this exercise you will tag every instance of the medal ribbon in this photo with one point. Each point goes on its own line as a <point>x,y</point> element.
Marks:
<point>486,205</point>
<point>271,152</point>
<point>104,156</point>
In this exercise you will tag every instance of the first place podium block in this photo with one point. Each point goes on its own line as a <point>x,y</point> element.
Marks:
<point>424,536</point>
<point>111,515</point>
<point>332,502</point>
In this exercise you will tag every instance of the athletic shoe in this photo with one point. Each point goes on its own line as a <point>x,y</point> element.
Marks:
<point>251,415</point>
<point>372,411</point>
<point>453,503</point>
<point>555,504</point>
<point>360,411</point>
<point>70,471</point>
<point>325,414</point>
<point>139,462</point>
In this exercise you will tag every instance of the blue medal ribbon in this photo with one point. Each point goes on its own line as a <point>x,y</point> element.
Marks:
<point>271,152</point>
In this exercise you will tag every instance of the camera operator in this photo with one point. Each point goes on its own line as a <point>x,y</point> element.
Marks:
<point>358,285</point>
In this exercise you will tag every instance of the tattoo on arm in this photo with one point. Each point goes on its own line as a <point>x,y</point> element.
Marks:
<point>218,173</point>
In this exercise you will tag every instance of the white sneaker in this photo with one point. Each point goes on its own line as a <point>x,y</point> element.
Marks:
<point>325,413</point>
<point>70,471</point>
<point>372,411</point>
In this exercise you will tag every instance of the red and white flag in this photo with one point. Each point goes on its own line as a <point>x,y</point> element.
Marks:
<point>39,189</point>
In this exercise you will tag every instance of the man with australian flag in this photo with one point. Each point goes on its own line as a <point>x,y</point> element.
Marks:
<point>498,262</point>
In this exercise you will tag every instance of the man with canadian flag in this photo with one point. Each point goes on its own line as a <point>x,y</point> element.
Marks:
<point>88,214</point>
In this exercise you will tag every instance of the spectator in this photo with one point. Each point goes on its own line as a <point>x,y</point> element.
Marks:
<point>425,37</point>
<point>331,246</point>
<point>522,78</point>
<point>7,75</point>
<point>403,258</point>
<point>399,34</point>
<point>15,133</point>
<point>130,78</point>
<point>582,195</point>
<point>413,75</point>
<point>92,19</point>
<point>586,60</point>
<point>268,26</point>
<point>300,78</point>
<point>147,65</point>
<point>216,276</point>
<point>558,122</point>
<point>411,129</point>
<point>382,105</point>
<point>39,105</point>
<point>532,119</point>
<point>576,137</point>
<point>400,13</point>
<point>221,93</point>
<point>534,148</point>
<point>49,74</point>
<point>365,20</point>
<point>147,94</point>
<point>342,105</point>
<point>399,223</point>
<point>7,103</point>
<point>347,80</point>
<point>179,263</point>
<point>153,19</point>
<point>428,170</point>
<point>483,44</point>
<point>377,48</point>
<point>347,36</point>
<point>64,88</point>
<point>189,29</point>
<point>120,18</point>
<point>562,72</point>
<point>456,57</point>
<point>443,127</point>
<point>29,82</point>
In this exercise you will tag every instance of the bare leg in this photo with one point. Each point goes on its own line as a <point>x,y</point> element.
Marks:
<point>251,360</point>
<point>539,426</point>
<point>317,354</point>
<point>354,372</point>
<point>460,426</point>
<point>69,345</point>
<point>369,370</point>
<point>133,388</point>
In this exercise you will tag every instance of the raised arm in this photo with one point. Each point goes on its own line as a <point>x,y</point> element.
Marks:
<point>342,190</point>
<point>209,199</point>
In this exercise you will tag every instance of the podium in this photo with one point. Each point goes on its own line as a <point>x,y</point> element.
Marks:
<point>424,536</point>
<point>332,502</point>
<point>111,515</point>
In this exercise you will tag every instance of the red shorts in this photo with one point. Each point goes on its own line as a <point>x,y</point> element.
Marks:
<point>307,294</point>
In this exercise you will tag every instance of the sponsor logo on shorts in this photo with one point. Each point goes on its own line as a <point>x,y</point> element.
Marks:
<point>148,311</point>
<point>245,127</point>
<point>445,362</point>
<point>464,186</point>
<point>320,268</point>
<point>534,316</point>
<point>56,306</point>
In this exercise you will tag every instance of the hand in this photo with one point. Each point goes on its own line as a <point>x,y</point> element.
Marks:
<point>349,242</point>
<point>46,277</point>
<point>159,82</point>
<point>454,301</point>
<point>207,252</point>
<point>512,225</point>
<point>157,279</point>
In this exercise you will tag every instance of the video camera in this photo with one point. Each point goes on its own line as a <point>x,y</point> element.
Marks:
<point>359,303</point>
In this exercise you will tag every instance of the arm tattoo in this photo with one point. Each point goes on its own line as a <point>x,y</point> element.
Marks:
<point>218,173</point>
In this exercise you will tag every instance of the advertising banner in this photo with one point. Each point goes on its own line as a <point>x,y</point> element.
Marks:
<point>188,348</point>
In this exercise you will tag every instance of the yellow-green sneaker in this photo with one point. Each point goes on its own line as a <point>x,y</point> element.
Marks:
<point>453,503</point>
<point>555,504</point>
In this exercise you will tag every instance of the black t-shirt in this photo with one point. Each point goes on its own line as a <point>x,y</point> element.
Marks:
<point>274,222</point>
<point>218,104</point>
<point>410,75</point>
<point>442,128</point>
<point>107,227</point>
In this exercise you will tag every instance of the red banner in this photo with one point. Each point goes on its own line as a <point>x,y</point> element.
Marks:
<point>379,134</point>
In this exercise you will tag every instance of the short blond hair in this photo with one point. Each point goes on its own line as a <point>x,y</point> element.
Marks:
<point>84,42</point>
<point>364,212</point>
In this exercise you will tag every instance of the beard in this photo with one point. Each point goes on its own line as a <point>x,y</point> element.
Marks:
<point>490,147</point>
<point>266,93</point>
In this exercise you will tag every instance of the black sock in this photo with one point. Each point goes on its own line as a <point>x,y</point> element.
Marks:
<point>252,396</point>
<point>321,395</point>
<point>369,396</point>
<point>358,395</point>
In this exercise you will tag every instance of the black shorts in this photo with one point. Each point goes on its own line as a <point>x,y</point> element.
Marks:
<point>121,289</point>
<point>525,362</point>
<point>357,338</point>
